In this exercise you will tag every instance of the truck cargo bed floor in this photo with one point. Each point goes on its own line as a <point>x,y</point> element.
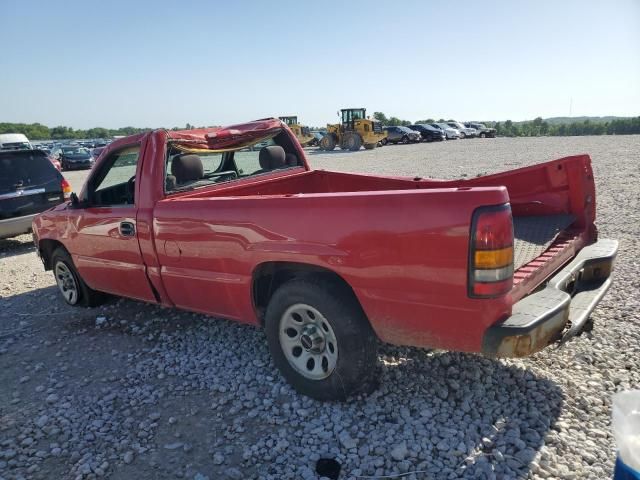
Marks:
<point>533,235</point>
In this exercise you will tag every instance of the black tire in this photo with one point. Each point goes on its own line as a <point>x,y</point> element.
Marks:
<point>353,142</point>
<point>356,370</point>
<point>369,146</point>
<point>384,141</point>
<point>463,135</point>
<point>405,139</point>
<point>328,142</point>
<point>483,135</point>
<point>85,296</point>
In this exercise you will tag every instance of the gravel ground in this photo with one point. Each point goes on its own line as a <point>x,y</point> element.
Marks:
<point>130,390</point>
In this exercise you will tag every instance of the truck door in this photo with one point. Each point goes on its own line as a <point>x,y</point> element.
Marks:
<point>105,249</point>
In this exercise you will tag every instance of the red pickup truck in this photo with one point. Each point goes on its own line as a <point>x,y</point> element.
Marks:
<point>233,223</point>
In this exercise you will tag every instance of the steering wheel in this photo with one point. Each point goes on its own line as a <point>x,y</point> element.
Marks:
<point>131,189</point>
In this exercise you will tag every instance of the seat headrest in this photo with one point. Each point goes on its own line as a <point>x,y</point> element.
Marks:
<point>187,167</point>
<point>272,157</point>
<point>170,183</point>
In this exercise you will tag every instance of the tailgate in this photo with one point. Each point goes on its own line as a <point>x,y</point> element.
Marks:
<point>553,207</point>
<point>20,203</point>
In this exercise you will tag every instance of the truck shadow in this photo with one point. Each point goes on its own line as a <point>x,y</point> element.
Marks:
<point>455,415</point>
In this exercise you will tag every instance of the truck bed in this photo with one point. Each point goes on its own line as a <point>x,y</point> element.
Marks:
<point>533,235</point>
<point>552,205</point>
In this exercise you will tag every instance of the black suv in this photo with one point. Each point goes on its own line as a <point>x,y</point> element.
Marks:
<point>483,130</point>
<point>428,133</point>
<point>29,184</point>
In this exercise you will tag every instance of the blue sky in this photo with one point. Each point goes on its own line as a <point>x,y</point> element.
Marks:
<point>88,63</point>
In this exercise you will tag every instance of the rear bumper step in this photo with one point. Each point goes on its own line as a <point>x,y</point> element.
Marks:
<point>560,310</point>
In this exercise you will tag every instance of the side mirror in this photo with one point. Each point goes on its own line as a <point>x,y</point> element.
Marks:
<point>75,201</point>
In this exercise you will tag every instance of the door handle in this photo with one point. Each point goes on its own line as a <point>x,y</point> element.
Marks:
<point>127,229</point>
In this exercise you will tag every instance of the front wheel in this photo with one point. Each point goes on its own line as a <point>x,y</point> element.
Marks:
<point>483,135</point>
<point>463,135</point>
<point>73,289</point>
<point>328,143</point>
<point>320,339</point>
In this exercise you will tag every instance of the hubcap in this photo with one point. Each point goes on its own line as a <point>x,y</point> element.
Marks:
<point>66,283</point>
<point>308,341</point>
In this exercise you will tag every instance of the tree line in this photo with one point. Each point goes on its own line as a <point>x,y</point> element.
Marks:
<point>531,128</point>
<point>539,127</point>
<point>37,131</point>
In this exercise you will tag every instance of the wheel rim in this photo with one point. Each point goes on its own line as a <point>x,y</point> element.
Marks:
<point>66,283</point>
<point>308,341</point>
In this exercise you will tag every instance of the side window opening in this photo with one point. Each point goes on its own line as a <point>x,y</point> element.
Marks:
<point>115,183</point>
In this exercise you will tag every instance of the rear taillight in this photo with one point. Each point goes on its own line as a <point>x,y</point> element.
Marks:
<point>491,252</point>
<point>66,189</point>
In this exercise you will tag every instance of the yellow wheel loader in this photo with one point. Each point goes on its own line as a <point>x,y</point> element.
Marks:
<point>355,131</point>
<point>302,133</point>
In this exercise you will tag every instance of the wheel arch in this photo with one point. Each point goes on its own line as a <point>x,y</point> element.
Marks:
<point>46,247</point>
<point>268,276</point>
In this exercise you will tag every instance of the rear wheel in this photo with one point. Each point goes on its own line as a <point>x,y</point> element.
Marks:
<point>328,142</point>
<point>405,139</point>
<point>462,135</point>
<point>73,289</point>
<point>483,135</point>
<point>384,141</point>
<point>320,339</point>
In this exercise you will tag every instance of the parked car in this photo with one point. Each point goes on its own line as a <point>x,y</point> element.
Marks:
<point>73,157</point>
<point>408,261</point>
<point>55,163</point>
<point>401,135</point>
<point>450,133</point>
<point>95,153</point>
<point>14,141</point>
<point>29,184</point>
<point>317,134</point>
<point>483,130</point>
<point>428,133</point>
<point>465,132</point>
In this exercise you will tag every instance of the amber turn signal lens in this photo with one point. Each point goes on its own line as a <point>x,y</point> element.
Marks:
<point>493,258</point>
